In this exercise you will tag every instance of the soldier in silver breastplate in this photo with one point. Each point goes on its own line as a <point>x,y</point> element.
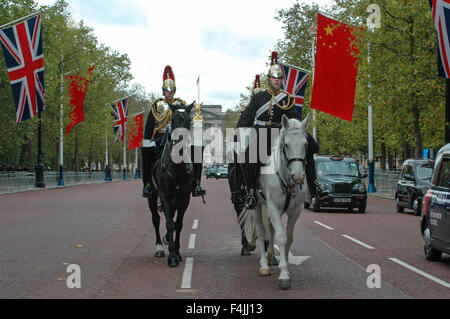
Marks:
<point>264,112</point>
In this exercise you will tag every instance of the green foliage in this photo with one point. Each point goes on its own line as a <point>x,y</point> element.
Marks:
<point>399,80</point>
<point>69,47</point>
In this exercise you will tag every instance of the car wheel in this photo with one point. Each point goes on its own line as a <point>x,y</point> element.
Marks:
<point>431,254</point>
<point>399,208</point>
<point>416,207</point>
<point>362,208</point>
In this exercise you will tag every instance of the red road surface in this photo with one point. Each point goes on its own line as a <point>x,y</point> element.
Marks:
<point>106,229</point>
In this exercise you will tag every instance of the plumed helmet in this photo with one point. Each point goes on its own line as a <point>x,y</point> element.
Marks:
<point>257,84</point>
<point>275,68</point>
<point>168,79</point>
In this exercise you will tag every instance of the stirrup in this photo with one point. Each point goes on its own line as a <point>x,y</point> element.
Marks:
<point>146,192</point>
<point>250,200</point>
<point>198,191</point>
<point>322,194</point>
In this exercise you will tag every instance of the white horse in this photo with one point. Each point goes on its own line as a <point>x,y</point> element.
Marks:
<point>283,190</point>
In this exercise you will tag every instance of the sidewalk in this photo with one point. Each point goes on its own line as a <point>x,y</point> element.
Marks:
<point>382,195</point>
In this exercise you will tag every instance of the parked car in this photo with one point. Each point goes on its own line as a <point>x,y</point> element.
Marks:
<point>343,180</point>
<point>412,184</point>
<point>222,172</point>
<point>435,221</point>
<point>211,172</point>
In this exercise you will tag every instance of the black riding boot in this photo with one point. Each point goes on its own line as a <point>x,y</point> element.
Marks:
<point>315,189</point>
<point>197,189</point>
<point>197,158</point>
<point>147,166</point>
<point>251,178</point>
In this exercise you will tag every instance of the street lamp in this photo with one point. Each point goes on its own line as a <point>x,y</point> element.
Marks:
<point>313,33</point>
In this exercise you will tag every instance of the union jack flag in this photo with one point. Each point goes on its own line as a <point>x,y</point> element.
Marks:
<point>294,82</point>
<point>441,15</point>
<point>120,113</point>
<point>22,47</point>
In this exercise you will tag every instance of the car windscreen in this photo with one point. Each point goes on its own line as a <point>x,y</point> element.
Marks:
<point>424,172</point>
<point>337,168</point>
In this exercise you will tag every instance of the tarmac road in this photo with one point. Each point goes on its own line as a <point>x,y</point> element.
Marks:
<point>106,230</point>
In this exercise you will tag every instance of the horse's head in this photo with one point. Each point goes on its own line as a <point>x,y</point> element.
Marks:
<point>179,134</point>
<point>181,116</point>
<point>293,145</point>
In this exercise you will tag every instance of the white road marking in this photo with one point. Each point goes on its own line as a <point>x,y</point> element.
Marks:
<point>358,242</point>
<point>191,244</point>
<point>323,225</point>
<point>295,260</point>
<point>420,272</point>
<point>187,274</point>
<point>195,225</point>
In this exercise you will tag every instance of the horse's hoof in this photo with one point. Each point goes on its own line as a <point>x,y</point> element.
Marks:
<point>178,257</point>
<point>245,252</point>
<point>284,284</point>
<point>173,262</point>
<point>273,261</point>
<point>159,253</point>
<point>264,272</point>
<point>251,247</point>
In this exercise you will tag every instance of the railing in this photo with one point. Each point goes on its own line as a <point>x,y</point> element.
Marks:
<point>11,181</point>
<point>385,181</point>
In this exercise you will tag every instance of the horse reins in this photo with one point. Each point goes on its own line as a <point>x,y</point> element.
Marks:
<point>286,187</point>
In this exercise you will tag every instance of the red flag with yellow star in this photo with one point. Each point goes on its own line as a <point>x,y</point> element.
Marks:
<point>335,69</point>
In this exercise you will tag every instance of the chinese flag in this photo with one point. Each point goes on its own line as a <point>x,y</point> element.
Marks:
<point>77,92</point>
<point>336,69</point>
<point>135,131</point>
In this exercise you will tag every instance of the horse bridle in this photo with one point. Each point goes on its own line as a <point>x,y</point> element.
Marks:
<point>294,159</point>
<point>288,187</point>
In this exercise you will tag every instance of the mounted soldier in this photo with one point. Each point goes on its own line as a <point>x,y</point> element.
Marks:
<point>264,113</point>
<point>158,121</point>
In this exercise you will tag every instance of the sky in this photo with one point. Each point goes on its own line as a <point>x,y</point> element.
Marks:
<point>225,43</point>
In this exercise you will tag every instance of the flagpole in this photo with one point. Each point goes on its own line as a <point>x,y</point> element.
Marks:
<point>313,65</point>
<point>39,168</point>
<point>20,19</point>
<point>136,175</point>
<point>124,156</point>
<point>447,111</point>
<point>61,135</point>
<point>198,84</point>
<point>121,99</point>
<point>107,171</point>
<point>371,187</point>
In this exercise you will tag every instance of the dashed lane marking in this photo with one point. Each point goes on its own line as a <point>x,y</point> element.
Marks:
<point>195,224</point>
<point>323,225</point>
<point>187,274</point>
<point>358,242</point>
<point>420,272</point>
<point>191,244</point>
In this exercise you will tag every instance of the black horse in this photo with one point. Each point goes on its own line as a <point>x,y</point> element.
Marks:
<point>173,181</point>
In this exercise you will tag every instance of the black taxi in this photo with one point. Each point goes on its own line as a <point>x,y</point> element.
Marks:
<point>435,221</point>
<point>343,180</point>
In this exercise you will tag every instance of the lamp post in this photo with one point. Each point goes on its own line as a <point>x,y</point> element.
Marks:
<point>39,168</point>
<point>312,33</point>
